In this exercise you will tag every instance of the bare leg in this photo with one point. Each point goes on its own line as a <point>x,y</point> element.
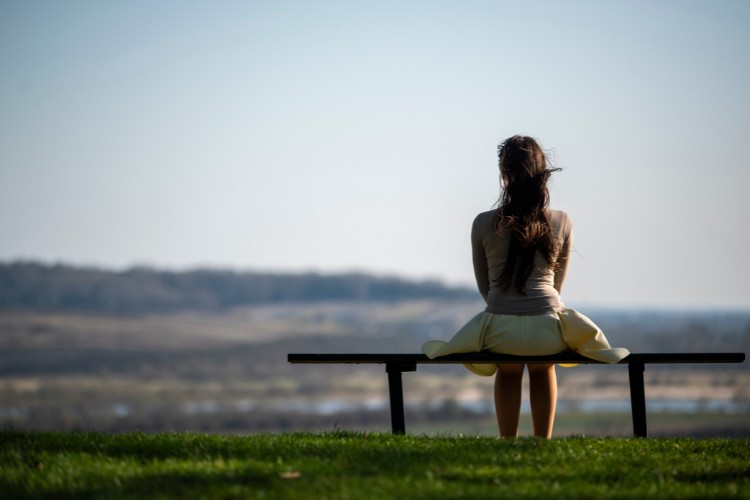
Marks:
<point>508,397</point>
<point>543,397</point>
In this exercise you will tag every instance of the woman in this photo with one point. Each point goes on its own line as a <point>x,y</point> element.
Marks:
<point>521,253</point>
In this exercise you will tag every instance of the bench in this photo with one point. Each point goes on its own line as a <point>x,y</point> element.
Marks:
<point>396,364</point>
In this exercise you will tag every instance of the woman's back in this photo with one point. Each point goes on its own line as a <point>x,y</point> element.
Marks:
<point>490,248</point>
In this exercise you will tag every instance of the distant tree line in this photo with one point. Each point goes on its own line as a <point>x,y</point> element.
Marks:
<point>37,286</point>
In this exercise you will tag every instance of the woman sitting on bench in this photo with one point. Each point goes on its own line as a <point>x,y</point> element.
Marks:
<point>521,253</point>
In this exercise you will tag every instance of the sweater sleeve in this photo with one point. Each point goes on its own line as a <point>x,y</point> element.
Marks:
<point>563,258</point>
<point>479,258</point>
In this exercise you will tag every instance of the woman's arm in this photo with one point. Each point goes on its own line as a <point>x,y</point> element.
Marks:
<point>563,258</point>
<point>479,259</point>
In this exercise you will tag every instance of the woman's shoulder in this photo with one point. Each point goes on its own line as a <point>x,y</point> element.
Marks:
<point>560,219</point>
<point>485,219</point>
<point>483,222</point>
<point>558,214</point>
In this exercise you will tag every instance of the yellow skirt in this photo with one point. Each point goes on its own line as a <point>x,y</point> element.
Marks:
<point>538,335</point>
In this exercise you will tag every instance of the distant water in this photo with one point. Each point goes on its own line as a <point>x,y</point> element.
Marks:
<point>332,406</point>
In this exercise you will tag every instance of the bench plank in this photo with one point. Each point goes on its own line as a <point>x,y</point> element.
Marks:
<point>489,357</point>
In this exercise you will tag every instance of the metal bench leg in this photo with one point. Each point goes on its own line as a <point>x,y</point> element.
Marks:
<point>396,394</point>
<point>638,399</point>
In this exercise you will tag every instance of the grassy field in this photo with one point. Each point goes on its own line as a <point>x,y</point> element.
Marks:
<point>361,465</point>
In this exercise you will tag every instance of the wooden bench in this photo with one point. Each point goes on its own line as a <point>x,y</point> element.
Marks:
<point>396,364</point>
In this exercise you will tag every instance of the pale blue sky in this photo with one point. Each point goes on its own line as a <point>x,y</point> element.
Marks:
<point>336,136</point>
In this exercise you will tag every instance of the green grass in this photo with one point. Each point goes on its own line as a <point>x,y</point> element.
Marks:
<point>362,465</point>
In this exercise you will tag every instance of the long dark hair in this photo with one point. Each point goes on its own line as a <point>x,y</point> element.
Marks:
<point>522,206</point>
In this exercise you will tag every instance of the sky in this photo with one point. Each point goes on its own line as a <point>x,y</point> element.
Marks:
<point>336,136</point>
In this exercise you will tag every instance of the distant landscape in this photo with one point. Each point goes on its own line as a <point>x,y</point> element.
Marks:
<point>205,350</point>
<point>34,286</point>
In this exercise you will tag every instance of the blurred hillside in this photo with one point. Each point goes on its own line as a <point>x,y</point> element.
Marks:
<point>41,287</point>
